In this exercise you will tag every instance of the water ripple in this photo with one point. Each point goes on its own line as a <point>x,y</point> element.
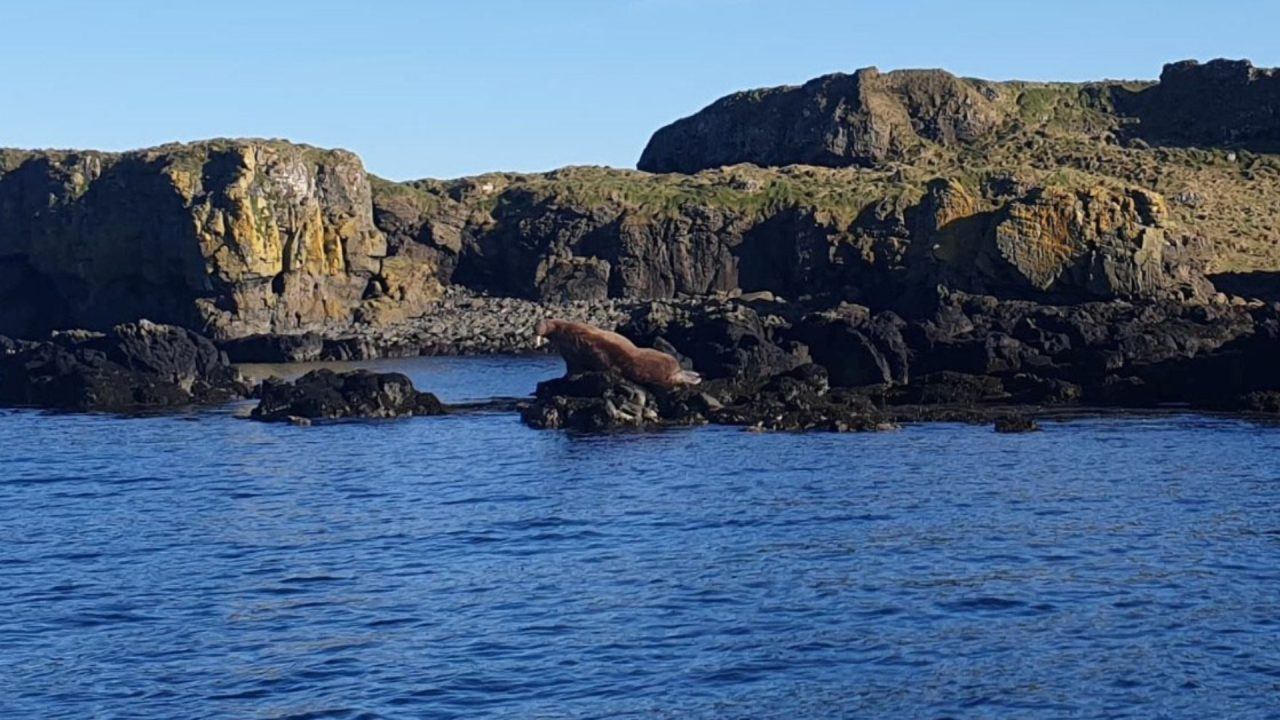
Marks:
<point>462,567</point>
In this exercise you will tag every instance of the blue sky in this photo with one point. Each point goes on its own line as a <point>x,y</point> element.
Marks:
<point>443,89</point>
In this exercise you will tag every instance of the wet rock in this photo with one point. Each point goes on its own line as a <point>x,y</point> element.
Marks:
<point>795,400</point>
<point>324,394</point>
<point>799,400</point>
<point>135,366</point>
<point>1016,424</point>
<point>948,387</point>
<point>1261,401</point>
<point>1033,389</point>
<point>593,402</point>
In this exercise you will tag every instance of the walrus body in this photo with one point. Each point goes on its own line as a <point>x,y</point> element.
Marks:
<point>589,349</point>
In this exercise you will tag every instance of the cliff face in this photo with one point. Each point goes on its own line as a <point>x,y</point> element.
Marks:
<point>892,184</point>
<point>230,237</point>
<point>869,118</point>
<point>1205,137</point>
<point>1220,103</point>
<point>861,235</point>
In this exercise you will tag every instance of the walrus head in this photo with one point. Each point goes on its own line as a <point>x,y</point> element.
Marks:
<point>541,331</point>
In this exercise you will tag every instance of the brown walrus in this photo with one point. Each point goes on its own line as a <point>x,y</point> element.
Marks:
<point>590,349</point>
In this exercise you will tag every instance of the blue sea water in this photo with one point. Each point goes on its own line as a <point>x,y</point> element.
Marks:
<point>206,566</point>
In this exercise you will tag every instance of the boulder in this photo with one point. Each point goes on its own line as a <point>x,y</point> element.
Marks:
<point>719,339</point>
<point>593,402</point>
<point>304,347</point>
<point>325,394</point>
<point>855,347</point>
<point>134,366</point>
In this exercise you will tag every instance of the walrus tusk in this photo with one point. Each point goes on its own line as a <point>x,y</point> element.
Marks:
<point>688,377</point>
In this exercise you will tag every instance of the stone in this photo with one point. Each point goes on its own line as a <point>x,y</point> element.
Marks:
<point>720,340</point>
<point>133,367</point>
<point>304,347</point>
<point>328,395</point>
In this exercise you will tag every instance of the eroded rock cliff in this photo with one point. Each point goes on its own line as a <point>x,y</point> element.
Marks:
<point>874,188</point>
<point>230,237</point>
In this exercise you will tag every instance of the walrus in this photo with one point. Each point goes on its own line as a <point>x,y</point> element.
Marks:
<point>589,349</point>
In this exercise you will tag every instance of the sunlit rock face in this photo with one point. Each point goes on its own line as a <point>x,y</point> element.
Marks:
<point>232,237</point>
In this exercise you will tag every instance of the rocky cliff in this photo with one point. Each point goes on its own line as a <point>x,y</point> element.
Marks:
<point>230,237</point>
<point>1226,103</point>
<point>870,118</point>
<point>868,236</point>
<point>836,120</point>
<point>874,188</point>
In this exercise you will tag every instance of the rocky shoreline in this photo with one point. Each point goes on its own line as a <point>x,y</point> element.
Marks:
<point>855,252</point>
<point>971,357</point>
<point>767,364</point>
<point>460,323</point>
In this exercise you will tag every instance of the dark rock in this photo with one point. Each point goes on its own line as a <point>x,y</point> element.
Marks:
<point>592,402</point>
<point>306,347</point>
<point>719,340</point>
<point>794,403</point>
<point>174,354</point>
<point>796,400</point>
<point>950,387</point>
<point>856,349</point>
<point>575,278</point>
<point>1222,102</point>
<point>324,394</point>
<point>849,368</point>
<point>1016,424</point>
<point>135,366</point>
<point>1033,389</point>
<point>1260,401</point>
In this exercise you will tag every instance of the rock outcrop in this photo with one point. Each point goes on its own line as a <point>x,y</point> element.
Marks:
<point>325,394</point>
<point>909,180</point>
<point>231,237</point>
<point>837,120</point>
<point>1054,243</point>
<point>794,401</point>
<point>133,367</point>
<point>871,118</point>
<point>971,358</point>
<point>548,239</point>
<point>1222,103</point>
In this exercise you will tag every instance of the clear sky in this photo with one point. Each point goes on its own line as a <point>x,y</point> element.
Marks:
<point>442,89</point>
